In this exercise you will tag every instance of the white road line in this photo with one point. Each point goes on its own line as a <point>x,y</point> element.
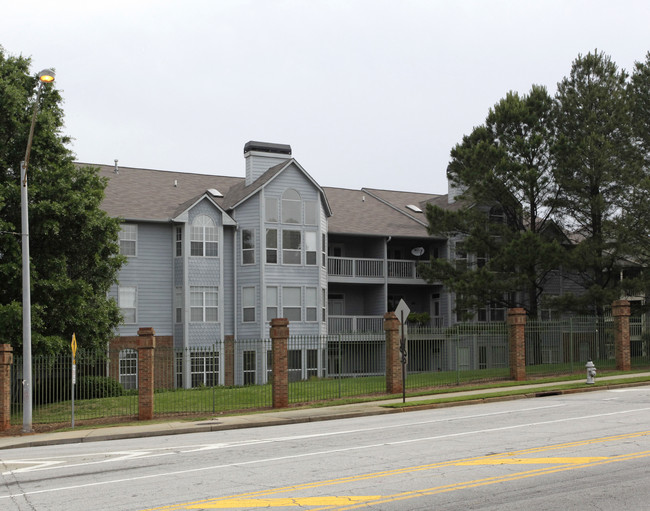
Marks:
<point>320,453</point>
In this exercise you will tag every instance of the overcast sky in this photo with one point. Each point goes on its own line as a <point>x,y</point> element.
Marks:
<point>368,93</point>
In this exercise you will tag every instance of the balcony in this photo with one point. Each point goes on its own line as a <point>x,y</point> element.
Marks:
<point>343,268</point>
<point>375,325</point>
<point>355,324</point>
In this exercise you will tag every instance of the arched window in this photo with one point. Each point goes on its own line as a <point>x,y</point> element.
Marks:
<point>291,207</point>
<point>204,238</point>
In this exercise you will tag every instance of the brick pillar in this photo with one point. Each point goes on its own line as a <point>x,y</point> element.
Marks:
<point>229,361</point>
<point>517,343</point>
<point>279,339</point>
<point>621,313</point>
<point>6,359</point>
<point>146,347</point>
<point>393,355</point>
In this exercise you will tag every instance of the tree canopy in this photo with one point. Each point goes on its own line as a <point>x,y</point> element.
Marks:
<point>550,184</point>
<point>73,242</point>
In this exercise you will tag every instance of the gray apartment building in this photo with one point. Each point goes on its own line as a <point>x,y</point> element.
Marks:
<point>212,259</point>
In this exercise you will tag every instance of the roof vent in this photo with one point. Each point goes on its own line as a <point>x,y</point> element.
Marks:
<point>414,208</point>
<point>215,193</point>
<point>117,170</point>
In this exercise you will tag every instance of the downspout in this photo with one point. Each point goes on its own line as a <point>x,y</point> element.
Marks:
<point>186,309</point>
<point>386,271</point>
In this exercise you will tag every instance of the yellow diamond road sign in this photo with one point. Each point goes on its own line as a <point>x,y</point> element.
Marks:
<point>74,347</point>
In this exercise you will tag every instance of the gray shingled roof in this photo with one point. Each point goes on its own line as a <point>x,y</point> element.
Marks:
<point>157,195</point>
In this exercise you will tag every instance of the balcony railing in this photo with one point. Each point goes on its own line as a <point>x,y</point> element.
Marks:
<point>372,268</point>
<point>375,324</point>
<point>355,324</point>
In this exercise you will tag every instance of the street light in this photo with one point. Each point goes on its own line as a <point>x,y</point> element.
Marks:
<point>45,76</point>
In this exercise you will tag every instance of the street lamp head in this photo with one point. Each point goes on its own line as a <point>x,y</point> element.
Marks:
<point>46,76</point>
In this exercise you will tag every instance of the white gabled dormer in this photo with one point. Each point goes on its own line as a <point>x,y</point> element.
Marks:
<point>261,156</point>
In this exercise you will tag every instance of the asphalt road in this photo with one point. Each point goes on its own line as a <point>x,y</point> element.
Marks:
<point>582,451</point>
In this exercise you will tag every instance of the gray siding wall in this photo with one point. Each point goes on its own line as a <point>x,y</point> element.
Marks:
<point>150,271</point>
<point>249,216</point>
<point>205,271</point>
<point>258,162</point>
<point>228,281</point>
<point>260,275</point>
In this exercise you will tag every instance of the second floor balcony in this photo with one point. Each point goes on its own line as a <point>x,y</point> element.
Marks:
<point>377,270</point>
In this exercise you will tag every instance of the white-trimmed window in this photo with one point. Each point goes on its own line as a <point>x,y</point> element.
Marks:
<point>248,246</point>
<point>129,368</point>
<point>271,303</point>
<point>204,368</point>
<point>248,304</point>
<point>272,246</point>
<point>291,207</point>
<point>311,217</point>
<point>204,238</point>
<point>323,250</point>
<point>271,209</point>
<point>127,299</point>
<point>291,303</point>
<point>128,239</point>
<point>204,302</point>
<point>291,247</point>
<point>178,305</point>
<point>311,304</point>
<point>323,305</point>
<point>178,242</point>
<point>311,247</point>
<point>249,362</point>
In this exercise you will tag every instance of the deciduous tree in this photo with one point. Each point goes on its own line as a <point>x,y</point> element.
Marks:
<point>73,243</point>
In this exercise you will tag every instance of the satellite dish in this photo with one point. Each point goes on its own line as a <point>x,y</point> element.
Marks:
<point>417,251</point>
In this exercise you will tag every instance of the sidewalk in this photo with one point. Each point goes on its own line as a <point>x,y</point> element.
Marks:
<point>293,416</point>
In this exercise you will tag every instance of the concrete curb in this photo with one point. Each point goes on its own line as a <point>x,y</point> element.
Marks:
<point>285,417</point>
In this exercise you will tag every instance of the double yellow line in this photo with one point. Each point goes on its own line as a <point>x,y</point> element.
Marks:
<point>264,498</point>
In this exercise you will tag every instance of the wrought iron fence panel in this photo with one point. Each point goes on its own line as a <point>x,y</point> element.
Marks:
<point>565,346</point>
<point>97,393</point>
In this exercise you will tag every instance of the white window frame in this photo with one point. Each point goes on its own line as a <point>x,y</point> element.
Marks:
<point>311,304</point>
<point>272,303</point>
<point>271,209</point>
<point>204,237</point>
<point>311,212</point>
<point>289,254</point>
<point>128,238</point>
<point>248,295</point>
<point>128,368</point>
<point>204,304</point>
<point>291,200</point>
<point>178,241</point>
<point>292,303</point>
<point>248,246</point>
<point>128,303</point>
<point>272,248</point>
<point>178,307</point>
<point>311,247</point>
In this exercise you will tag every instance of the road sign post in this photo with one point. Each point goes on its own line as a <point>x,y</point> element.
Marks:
<point>73,345</point>
<point>402,312</point>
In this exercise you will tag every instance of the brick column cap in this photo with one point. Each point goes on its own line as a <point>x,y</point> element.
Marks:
<point>621,308</point>
<point>6,354</point>
<point>147,330</point>
<point>391,322</point>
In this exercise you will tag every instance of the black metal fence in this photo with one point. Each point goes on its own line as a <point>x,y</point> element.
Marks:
<point>220,378</point>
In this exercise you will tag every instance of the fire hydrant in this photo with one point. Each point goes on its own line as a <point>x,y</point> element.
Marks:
<point>591,372</point>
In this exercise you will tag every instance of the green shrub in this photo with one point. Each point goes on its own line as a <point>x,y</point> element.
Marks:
<point>91,387</point>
